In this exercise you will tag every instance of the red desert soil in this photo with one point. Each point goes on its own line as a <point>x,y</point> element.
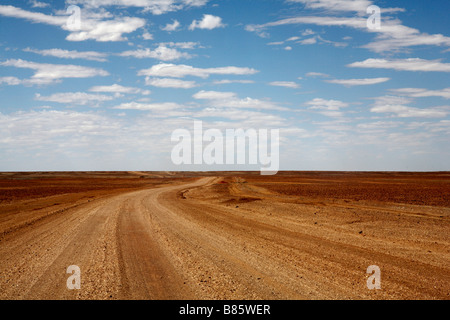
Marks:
<point>224,235</point>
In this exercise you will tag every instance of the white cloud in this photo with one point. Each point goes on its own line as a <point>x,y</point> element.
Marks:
<point>421,93</point>
<point>358,82</point>
<point>226,81</point>
<point>397,106</point>
<point>92,27</point>
<point>357,23</point>
<point>324,104</point>
<point>250,117</point>
<point>359,6</point>
<point>38,4</point>
<point>230,100</point>
<point>402,111</point>
<point>48,73</point>
<point>37,17</point>
<point>171,27</point>
<point>208,22</point>
<point>286,84</point>
<point>165,106</point>
<point>329,108</point>
<point>53,129</point>
<point>308,41</point>
<point>116,88</point>
<point>169,83</point>
<point>334,43</point>
<point>182,45</point>
<point>379,125</point>
<point>317,74</point>
<point>161,53</point>
<point>147,36</point>
<point>411,64</point>
<point>308,32</point>
<point>156,7</point>
<point>72,54</point>
<point>181,71</point>
<point>393,36</point>
<point>214,95</point>
<point>392,100</point>
<point>107,30</point>
<point>78,98</point>
<point>11,81</point>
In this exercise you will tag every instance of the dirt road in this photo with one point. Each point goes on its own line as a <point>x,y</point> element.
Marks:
<point>185,241</point>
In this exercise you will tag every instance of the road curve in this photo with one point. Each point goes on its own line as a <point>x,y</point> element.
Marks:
<point>157,244</point>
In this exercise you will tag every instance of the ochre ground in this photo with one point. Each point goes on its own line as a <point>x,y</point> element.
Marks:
<point>224,235</point>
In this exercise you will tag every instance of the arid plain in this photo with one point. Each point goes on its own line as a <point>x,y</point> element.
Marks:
<point>224,235</point>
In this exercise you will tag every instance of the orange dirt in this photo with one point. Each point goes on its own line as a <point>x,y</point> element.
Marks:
<point>163,235</point>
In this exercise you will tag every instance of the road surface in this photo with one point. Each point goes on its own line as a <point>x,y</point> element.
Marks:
<point>160,244</point>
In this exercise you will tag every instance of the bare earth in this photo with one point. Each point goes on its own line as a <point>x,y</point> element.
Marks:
<point>296,235</point>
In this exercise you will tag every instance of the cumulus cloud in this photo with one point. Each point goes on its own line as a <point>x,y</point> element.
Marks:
<point>312,40</point>
<point>286,84</point>
<point>171,26</point>
<point>421,93</point>
<point>147,36</point>
<point>165,106</point>
<point>160,53</point>
<point>38,4</point>
<point>330,108</point>
<point>94,27</point>
<point>107,30</point>
<point>358,23</point>
<point>397,106</point>
<point>169,83</point>
<point>181,71</point>
<point>324,104</point>
<point>70,54</point>
<point>11,81</point>
<point>181,45</point>
<point>78,98</point>
<point>116,88</point>
<point>214,95</point>
<point>359,6</point>
<point>317,75</point>
<point>358,82</point>
<point>208,22</point>
<point>393,36</point>
<point>411,64</point>
<point>36,17</point>
<point>38,129</point>
<point>230,100</point>
<point>156,7</point>
<point>227,81</point>
<point>46,73</point>
<point>402,111</point>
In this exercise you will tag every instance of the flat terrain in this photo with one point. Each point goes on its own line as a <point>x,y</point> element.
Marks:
<point>224,235</point>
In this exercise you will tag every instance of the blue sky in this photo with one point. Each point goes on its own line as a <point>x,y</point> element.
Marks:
<point>107,93</point>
